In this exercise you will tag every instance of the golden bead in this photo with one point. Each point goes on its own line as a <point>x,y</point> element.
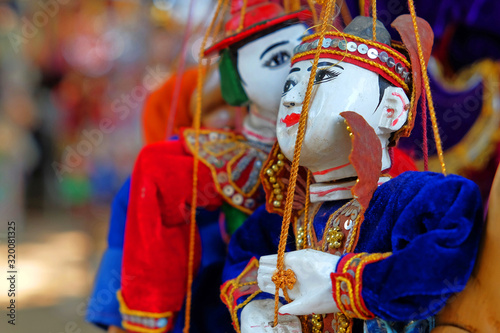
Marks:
<point>338,236</point>
<point>275,167</point>
<point>270,172</point>
<point>280,163</point>
<point>276,186</point>
<point>277,191</point>
<point>344,324</point>
<point>281,156</point>
<point>337,244</point>
<point>272,179</point>
<point>279,197</point>
<point>276,203</point>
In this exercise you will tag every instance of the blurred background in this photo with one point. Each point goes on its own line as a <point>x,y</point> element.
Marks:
<point>75,76</point>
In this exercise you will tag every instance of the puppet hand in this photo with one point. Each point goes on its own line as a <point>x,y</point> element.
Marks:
<point>258,316</point>
<point>312,292</point>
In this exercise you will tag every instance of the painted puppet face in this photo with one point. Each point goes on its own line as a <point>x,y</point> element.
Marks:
<point>263,65</point>
<point>337,88</point>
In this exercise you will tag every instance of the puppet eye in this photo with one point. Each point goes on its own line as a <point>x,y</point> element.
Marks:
<point>277,59</point>
<point>325,75</point>
<point>289,84</point>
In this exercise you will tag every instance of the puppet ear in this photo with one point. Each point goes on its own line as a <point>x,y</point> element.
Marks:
<point>393,110</point>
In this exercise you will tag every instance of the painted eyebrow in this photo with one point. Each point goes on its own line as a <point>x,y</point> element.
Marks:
<point>272,47</point>
<point>325,63</point>
<point>295,69</point>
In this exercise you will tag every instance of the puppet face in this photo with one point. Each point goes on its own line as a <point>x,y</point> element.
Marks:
<point>263,65</point>
<point>337,88</point>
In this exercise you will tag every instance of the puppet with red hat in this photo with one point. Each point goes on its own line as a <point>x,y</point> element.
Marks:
<point>254,63</point>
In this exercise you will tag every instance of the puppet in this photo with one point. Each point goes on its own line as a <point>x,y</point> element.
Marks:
<point>368,253</point>
<point>254,63</point>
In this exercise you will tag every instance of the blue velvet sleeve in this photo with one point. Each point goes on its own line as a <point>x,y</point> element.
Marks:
<point>432,225</point>
<point>258,236</point>
<point>103,307</point>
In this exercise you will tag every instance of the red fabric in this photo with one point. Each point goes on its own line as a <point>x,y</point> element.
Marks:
<point>157,107</point>
<point>254,14</point>
<point>401,162</point>
<point>359,63</point>
<point>302,16</point>
<point>155,254</point>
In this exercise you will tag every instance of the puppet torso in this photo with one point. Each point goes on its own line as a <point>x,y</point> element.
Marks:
<point>335,229</point>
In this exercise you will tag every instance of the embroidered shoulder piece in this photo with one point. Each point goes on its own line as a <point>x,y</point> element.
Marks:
<point>243,285</point>
<point>274,177</point>
<point>347,284</point>
<point>235,164</point>
<point>144,322</point>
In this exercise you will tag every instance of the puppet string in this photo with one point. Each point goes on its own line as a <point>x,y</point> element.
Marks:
<point>197,126</point>
<point>326,15</point>
<point>242,16</point>
<point>180,72</point>
<point>425,79</point>
<point>374,15</point>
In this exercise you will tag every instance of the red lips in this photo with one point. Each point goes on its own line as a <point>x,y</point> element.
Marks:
<point>291,119</point>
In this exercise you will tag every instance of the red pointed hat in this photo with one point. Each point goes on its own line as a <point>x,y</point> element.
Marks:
<point>259,15</point>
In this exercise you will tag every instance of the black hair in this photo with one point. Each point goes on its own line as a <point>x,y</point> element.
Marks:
<point>233,49</point>
<point>382,85</point>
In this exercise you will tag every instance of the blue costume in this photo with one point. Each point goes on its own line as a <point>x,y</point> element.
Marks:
<point>103,307</point>
<point>212,316</point>
<point>416,247</point>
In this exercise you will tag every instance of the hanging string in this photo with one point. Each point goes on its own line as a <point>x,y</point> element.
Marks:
<point>295,5</point>
<point>326,14</point>
<point>425,80</point>
<point>367,7</point>
<point>346,14</point>
<point>194,200</point>
<point>362,11</point>
<point>286,4</point>
<point>425,146</point>
<point>374,15</point>
<point>314,12</point>
<point>307,203</point>
<point>182,61</point>
<point>242,16</point>
<point>222,15</point>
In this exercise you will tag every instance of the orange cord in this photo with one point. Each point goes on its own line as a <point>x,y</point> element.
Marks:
<point>220,24</point>
<point>242,16</point>
<point>306,207</point>
<point>362,8</point>
<point>425,79</point>
<point>346,14</point>
<point>326,14</point>
<point>312,7</point>
<point>197,126</point>
<point>374,15</point>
